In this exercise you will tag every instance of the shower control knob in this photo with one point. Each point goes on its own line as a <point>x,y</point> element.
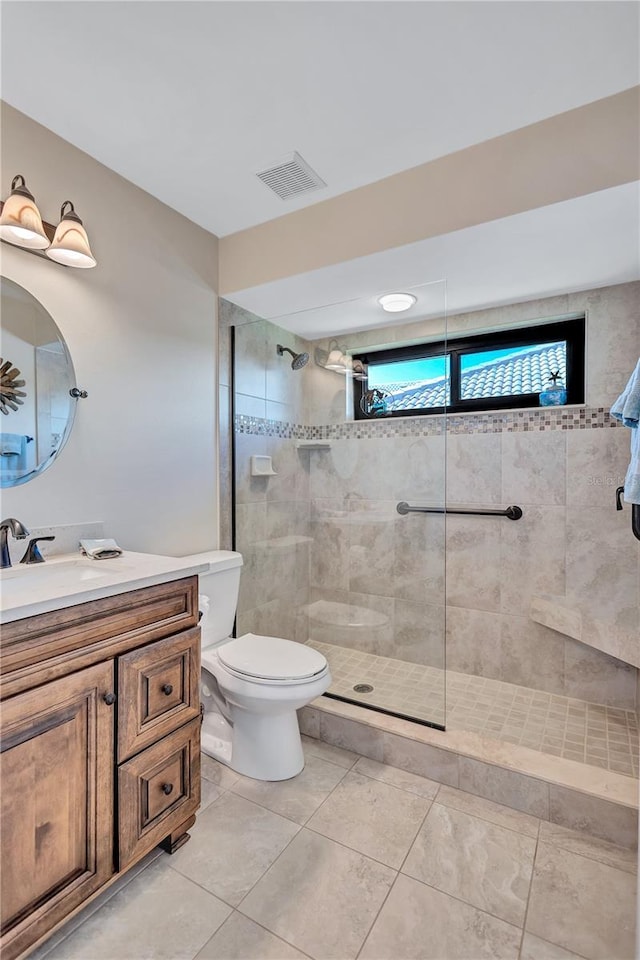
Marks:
<point>167,788</point>
<point>167,689</point>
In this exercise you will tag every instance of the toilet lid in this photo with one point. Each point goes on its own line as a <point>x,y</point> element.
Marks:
<point>271,658</point>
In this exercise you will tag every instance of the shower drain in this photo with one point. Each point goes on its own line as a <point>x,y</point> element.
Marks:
<point>363,688</point>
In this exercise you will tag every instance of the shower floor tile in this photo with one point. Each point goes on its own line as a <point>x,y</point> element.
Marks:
<point>590,733</point>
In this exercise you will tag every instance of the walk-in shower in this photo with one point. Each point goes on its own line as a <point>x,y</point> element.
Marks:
<point>467,571</point>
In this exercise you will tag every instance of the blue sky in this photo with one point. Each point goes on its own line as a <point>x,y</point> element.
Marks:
<point>432,368</point>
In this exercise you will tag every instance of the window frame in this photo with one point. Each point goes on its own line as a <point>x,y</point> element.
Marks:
<point>572,331</point>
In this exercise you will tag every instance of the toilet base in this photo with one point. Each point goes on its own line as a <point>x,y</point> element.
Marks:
<point>267,747</point>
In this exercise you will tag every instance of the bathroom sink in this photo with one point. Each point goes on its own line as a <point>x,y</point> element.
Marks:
<point>27,590</point>
<point>22,581</point>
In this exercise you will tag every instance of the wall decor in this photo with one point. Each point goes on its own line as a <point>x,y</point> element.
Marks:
<point>10,394</point>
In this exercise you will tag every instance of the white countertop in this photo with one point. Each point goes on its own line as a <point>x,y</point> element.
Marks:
<point>70,579</point>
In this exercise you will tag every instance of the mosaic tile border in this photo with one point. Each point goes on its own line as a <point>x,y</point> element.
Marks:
<point>516,421</point>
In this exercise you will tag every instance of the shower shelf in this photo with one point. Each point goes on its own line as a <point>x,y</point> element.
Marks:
<point>313,444</point>
<point>577,618</point>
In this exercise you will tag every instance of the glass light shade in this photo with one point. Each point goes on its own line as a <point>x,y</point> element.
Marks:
<point>396,302</point>
<point>70,244</point>
<point>359,372</point>
<point>20,221</point>
<point>336,361</point>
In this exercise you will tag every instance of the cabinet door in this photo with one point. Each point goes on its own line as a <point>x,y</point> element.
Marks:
<point>56,765</point>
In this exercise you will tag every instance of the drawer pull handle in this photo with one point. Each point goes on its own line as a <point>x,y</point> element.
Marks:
<point>167,689</point>
<point>109,699</point>
<point>167,788</point>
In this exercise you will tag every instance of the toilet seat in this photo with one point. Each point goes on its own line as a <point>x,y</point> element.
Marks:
<point>270,660</point>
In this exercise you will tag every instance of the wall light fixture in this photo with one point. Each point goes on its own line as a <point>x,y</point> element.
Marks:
<point>20,221</point>
<point>22,226</point>
<point>70,244</point>
<point>337,359</point>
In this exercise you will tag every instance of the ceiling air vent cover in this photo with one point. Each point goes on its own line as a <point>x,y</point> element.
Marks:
<point>291,177</point>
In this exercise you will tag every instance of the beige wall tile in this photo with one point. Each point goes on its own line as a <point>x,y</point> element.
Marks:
<point>419,633</point>
<point>613,339</point>
<point>419,558</point>
<point>473,562</point>
<point>473,642</point>
<point>309,722</point>
<point>474,468</point>
<point>505,786</point>
<point>352,736</point>
<point>602,561</point>
<point>251,359</point>
<point>532,556</point>
<point>611,821</point>
<point>592,675</point>
<point>421,759</point>
<point>532,655</point>
<point>534,468</point>
<point>597,462</point>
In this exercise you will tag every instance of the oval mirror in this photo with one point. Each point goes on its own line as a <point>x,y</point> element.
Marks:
<point>36,374</point>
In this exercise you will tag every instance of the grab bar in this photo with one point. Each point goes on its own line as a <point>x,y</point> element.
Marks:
<point>513,513</point>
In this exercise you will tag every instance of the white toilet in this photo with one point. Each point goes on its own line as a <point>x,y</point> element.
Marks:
<point>251,686</point>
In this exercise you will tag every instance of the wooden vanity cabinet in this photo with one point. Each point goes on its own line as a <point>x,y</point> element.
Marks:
<point>99,749</point>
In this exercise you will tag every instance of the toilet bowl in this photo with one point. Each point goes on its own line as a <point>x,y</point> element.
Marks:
<point>251,686</point>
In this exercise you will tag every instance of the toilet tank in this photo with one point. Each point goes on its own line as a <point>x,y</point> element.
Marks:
<point>220,583</point>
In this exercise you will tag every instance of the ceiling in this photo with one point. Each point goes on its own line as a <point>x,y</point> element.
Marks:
<point>580,244</point>
<point>189,99</point>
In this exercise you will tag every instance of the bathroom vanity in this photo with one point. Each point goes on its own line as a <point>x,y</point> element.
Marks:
<point>100,722</point>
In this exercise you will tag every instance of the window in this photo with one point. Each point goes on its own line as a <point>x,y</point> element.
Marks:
<point>491,371</point>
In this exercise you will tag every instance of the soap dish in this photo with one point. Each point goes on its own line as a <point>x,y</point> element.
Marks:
<point>262,466</point>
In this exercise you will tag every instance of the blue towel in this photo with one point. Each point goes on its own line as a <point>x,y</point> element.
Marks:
<point>12,444</point>
<point>627,409</point>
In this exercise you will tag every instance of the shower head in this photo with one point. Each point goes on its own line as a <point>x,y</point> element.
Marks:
<point>299,359</point>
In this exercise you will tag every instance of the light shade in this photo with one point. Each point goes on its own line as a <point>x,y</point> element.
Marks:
<point>20,221</point>
<point>396,302</point>
<point>70,244</point>
<point>359,372</point>
<point>336,361</point>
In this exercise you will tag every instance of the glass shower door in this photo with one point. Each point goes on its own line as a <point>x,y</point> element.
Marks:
<point>325,458</point>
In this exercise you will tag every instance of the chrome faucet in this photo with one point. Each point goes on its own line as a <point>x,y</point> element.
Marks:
<point>18,530</point>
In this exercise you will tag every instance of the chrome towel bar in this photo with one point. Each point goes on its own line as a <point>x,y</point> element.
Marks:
<point>513,513</point>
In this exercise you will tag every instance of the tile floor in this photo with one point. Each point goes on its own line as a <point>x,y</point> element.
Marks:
<point>565,727</point>
<point>353,858</point>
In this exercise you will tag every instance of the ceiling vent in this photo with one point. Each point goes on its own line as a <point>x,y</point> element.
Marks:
<point>291,177</point>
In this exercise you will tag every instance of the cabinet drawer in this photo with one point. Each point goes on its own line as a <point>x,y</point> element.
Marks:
<point>158,790</point>
<point>51,645</point>
<point>158,691</point>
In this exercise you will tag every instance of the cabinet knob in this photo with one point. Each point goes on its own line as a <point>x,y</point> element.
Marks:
<point>167,788</point>
<point>109,698</point>
<point>167,689</point>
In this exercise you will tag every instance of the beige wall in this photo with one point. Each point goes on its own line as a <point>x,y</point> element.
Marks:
<point>569,155</point>
<point>141,329</point>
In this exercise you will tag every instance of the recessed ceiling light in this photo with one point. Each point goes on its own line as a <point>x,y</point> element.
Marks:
<point>396,302</point>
